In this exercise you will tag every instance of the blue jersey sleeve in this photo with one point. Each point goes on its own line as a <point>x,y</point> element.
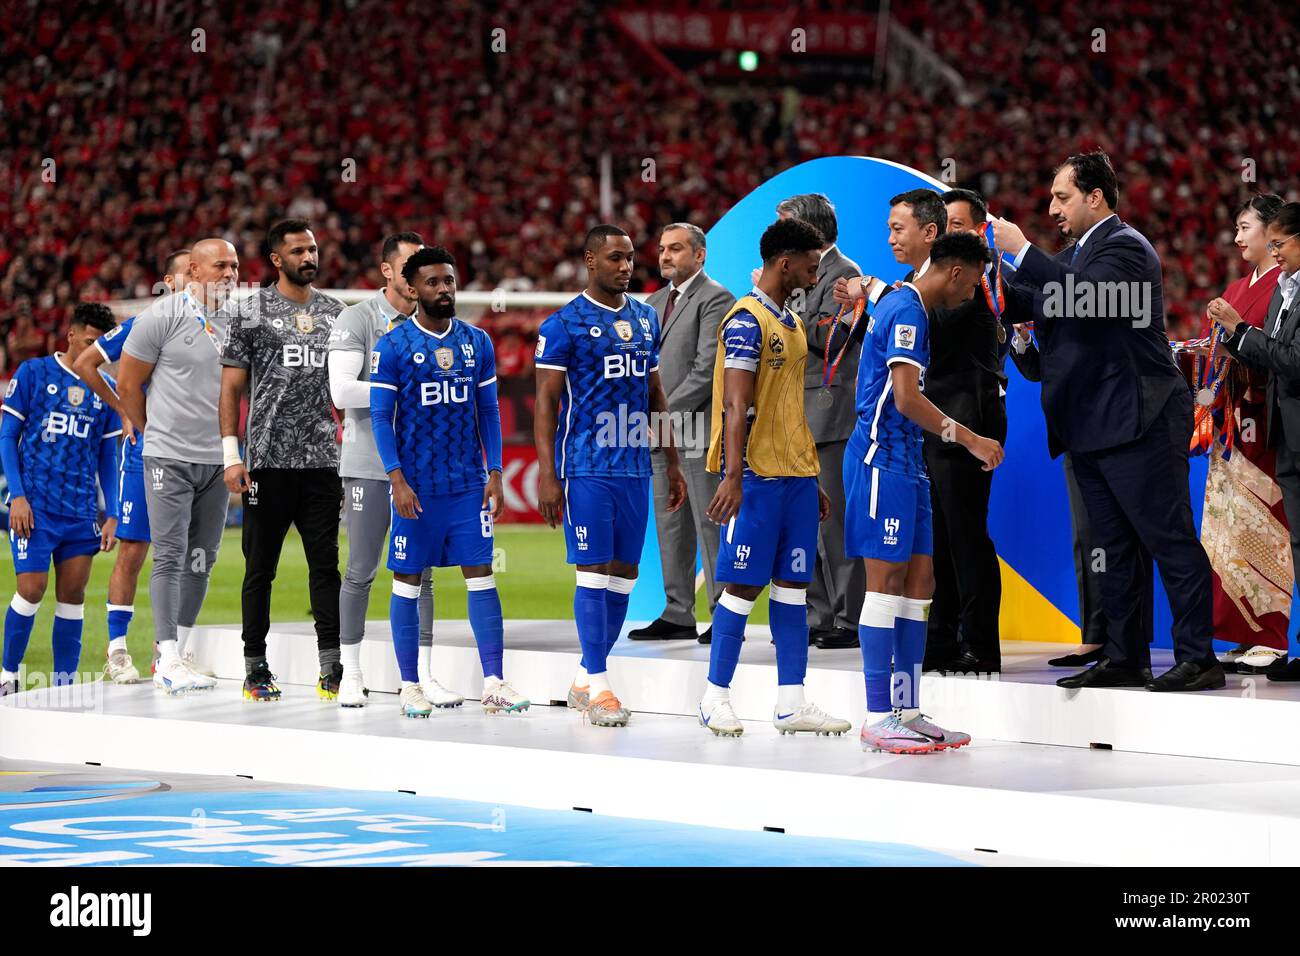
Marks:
<point>742,342</point>
<point>384,380</point>
<point>488,410</point>
<point>18,396</point>
<point>11,429</point>
<point>656,337</point>
<point>110,344</point>
<point>554,348</point>
<point>907,335</point>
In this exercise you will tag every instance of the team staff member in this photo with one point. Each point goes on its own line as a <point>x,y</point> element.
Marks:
<point>276,347</point>
<point>174,348</point>
<point>133,525</point>
<point>366,505</point>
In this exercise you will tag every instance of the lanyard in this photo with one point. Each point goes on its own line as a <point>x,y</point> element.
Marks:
<point>203,321</point>
<point>993,291</point>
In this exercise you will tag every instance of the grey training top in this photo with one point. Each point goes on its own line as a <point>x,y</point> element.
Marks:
<point>357,329</point>
<point>282,343</point>
<point>185,389</point>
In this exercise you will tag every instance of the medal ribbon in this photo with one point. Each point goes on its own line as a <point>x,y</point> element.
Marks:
<point>994,293</point>
<point>203,321</point>
<point>830,367</point>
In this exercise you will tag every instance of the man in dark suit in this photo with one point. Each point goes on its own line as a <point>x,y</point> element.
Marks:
<point>1276,349</point>
<point>1114,399</point>
<point>838,584</point>
<point>1092,613</point>
<point>690,308</point>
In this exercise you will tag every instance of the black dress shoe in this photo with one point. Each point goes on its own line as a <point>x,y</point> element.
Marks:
<point>1077,660</point>
<point>837,639</point>
<point>661,630</point>
<point>1105,674</point>
<point>707,636</point>
<point>1189,676</point>
<point>1288,672</point>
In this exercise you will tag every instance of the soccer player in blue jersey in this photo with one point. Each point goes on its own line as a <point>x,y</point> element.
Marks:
<point>769,499</point>
<point>437,427</point>
<point>133,523</point>
<point>887,517</point>
<point>56,437</point>
<point>597,389</point>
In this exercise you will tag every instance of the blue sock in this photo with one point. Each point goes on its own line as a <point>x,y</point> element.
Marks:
<point>404,619</point>
<point>876,636</point>
<point>729,619</point>
<point>616,598</point>
<point>909,649</point>
<point>119,620</point>
<point>787,615</point>
<point>66,641</point>
<point>590,618</point>
<point>485,621</point>
<point>19,620</point>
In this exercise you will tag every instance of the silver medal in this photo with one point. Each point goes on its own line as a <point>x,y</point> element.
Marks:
<point>1205,397</point>
<point>825,399</point>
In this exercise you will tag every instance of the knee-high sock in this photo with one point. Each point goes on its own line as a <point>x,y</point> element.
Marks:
<point>909,648</point>
<point>119,622</point>
<point>591,620</point>
<point>66,640</point>
<point>19,620</point>
<point>404,619</point>
<point>616,598</point>
<point>787,610</point>
<point>729,619</point>
<point>424,661</point>
<point>485,621</point>
<point>876,636</point>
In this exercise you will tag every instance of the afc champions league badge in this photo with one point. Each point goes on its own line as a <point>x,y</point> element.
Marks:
<point>303,322</point>
<point>445,358</point>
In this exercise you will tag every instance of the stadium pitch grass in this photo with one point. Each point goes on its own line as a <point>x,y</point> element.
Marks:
<point>532,577</point>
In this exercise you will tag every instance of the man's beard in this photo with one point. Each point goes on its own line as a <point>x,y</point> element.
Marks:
<point>439,310</point>
<point>296,277</point>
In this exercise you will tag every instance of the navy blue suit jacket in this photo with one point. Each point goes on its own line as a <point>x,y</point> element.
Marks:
<point>1104,379</point>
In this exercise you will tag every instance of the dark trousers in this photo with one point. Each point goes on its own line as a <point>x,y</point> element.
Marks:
<point>967,577</point>
<point>1092,612</point>
<point>1137,494</point>
<point>309,499</point>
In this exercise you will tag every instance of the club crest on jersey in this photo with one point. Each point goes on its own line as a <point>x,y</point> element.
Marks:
<point>742,557</point>
<point>76,394</point>
<point>303,322</point>
<point>468,351</point>
<point>445,357</point>
<point>624,329</point>
<point>891,532</point>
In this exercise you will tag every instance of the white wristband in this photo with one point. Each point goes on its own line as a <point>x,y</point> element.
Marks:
<point>230,450</point>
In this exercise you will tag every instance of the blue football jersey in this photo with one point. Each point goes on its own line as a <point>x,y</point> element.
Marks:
<point>897,331</point>
<point>437,379</point>
<point>63,426</point>
<point>606,356</point>
<point>110,346</point>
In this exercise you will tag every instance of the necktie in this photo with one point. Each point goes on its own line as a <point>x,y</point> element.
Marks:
<point>672,304</point>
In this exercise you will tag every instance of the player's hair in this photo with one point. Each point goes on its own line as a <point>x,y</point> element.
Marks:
<point>979,209</point>
<point>428,256</point>
<point>789,235</point>
<point>96,315</point>
<point>275,235</point>
<point>927,207</point>
<point>598,234</point>
<point>1264,205</point>
<point>964,248</point>
<point>170,262</point>
<point>396,241</point>
<point>1288,218</point>
<point>692,230</point>
<point>814,208</point>
<point>1094,171</point>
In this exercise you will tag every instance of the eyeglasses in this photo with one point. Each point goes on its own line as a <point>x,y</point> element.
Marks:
<point>1275,246</point>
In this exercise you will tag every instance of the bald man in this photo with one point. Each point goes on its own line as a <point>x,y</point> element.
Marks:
<point>175,349</point>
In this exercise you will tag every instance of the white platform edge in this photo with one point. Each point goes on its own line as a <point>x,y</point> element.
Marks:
<point>1217,725</point>
<point>1053,826</point>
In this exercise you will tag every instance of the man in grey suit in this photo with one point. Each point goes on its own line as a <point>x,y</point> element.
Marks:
<point>690,308</point>
<point>838,584</point>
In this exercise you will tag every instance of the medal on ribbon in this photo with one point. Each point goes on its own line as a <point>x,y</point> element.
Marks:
<point>825,398</point>
<point>994,293</point>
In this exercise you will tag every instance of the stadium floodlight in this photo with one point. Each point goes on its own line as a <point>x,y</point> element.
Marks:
<point>748,60</point>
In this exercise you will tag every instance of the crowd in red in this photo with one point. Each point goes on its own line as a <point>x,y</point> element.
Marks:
<point>138,127</point>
